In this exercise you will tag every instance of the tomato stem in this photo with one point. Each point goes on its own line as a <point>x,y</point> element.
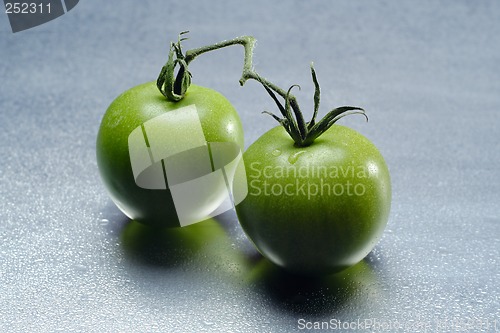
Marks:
<point>306,133</point>
<point>174,87</point>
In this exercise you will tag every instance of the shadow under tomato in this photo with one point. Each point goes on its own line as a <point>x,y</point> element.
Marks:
<point>313,295</point>
<point>168,247</point>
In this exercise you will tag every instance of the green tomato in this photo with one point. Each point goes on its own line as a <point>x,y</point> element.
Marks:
<point>317,209</point>
<point>129,111</point>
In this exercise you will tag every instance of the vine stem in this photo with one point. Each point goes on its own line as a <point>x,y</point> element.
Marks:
<point>174,87</point>
<point>248,43</point>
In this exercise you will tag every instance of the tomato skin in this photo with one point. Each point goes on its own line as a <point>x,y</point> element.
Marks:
<point>219,121</point>
<point>315,233</point>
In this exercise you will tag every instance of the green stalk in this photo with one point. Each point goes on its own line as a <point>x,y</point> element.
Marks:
<point>174,87</point>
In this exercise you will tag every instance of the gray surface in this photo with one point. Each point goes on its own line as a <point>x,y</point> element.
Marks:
<point>428,74</point>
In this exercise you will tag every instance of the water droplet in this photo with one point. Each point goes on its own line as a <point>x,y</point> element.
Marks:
<point>294,157</point>
<point>276,152</point>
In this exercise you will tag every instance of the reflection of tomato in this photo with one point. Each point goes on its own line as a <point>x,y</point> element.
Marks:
<point>219,121</point>
<point>195,248</point>
<point>315,209</point>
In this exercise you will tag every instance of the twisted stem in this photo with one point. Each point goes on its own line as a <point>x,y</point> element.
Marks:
<point>174,87</point>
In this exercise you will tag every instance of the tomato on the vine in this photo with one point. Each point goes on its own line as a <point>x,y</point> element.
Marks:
<point>128,112</point>
<point>319,203</point>
<point>164,148</point>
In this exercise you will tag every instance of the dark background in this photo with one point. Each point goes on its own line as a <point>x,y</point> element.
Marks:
<point>428,74</point>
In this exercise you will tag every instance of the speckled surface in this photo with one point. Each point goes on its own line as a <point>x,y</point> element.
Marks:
<point>428,74</point>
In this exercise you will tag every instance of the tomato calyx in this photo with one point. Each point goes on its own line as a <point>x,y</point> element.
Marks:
<point>172,86</point>
<point>304,133</point>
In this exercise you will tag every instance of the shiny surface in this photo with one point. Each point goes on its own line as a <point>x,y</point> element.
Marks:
<point>427,74</point>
